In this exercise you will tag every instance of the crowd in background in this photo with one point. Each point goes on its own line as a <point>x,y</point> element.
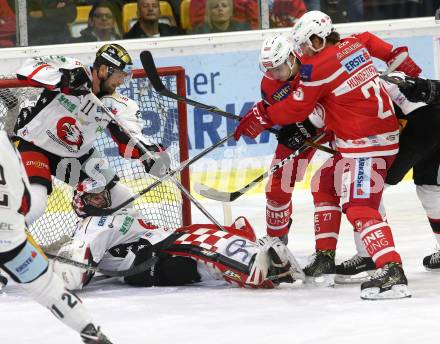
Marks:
<point>56,21</point>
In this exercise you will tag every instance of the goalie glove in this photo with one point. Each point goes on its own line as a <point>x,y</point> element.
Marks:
<point>294,135</point>
<point>75,82</point>
<point>156,161</point>
<point>274,262</point>
<point>420,90</point>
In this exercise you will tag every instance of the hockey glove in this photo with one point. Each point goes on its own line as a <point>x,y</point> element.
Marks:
<point>294,135</point>
<point>401,61</point>
<point>75,82</point>
<point>253,122</point>
<point>157,162</point>
<point>421,90</point>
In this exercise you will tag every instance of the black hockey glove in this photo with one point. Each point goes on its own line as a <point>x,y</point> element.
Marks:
<point>421,90</point>
<point>75,81</point>
<point>159,163</point>
<point>294,135</point>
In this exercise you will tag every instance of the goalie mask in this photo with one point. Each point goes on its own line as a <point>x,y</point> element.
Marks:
<point>276,60</point>
<point>74,277</point>
<point>89,197</point>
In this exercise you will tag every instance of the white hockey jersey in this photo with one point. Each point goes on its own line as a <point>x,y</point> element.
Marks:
<point>104,234</point>
<point>398,97</point>
<point>67,125</point>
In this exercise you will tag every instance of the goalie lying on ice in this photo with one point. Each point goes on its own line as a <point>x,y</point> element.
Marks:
<point>191,254</point>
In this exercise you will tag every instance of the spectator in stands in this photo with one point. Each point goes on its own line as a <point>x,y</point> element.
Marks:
<point>284,13</point>
<point>48,19</point>
<point>313,5</point>
<point>7,25</point>
<point>244,11</point>
<point>101,25</point>
<point>148,25</point>
<point>219,18</point>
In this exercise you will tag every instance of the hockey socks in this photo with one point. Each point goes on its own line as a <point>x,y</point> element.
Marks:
<point>327,222</point>
<point>277,218</point>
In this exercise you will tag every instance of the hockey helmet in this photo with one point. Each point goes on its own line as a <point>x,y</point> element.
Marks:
<point>115,57</point>
<point>275,51</point>
<point>74,277</point>
<point>311,23</point>
<point>90,196</point>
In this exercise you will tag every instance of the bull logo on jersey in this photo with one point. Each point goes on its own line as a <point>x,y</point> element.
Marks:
<point>68,132</point>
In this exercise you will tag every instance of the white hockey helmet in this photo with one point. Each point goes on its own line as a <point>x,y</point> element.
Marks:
<point>85,202</point>
<point>311,23</point>
<point>74,277</point>
<point>275,51</point>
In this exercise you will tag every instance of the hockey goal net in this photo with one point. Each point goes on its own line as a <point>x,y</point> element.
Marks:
<point>166,124</point>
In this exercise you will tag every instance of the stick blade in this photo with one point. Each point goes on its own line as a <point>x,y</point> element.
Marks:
<point>151,70</point>
<point>211,193</point>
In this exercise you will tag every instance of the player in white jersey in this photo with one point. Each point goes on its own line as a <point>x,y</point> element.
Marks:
<point>56,136</point>
<point>190,254</point>
<point>24,261</point>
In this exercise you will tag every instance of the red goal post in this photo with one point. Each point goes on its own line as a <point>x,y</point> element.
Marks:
<point>166,124</point>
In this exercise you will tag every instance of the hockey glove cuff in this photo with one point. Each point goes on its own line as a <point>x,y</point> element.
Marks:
<point>399,60</point>
<point>294,135</point>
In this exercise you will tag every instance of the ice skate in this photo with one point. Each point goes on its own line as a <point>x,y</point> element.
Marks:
<point>321,271</point>
<point>357,269</point>
<point>432,262</point>
<point>91,335</point>
<point>386,283</point>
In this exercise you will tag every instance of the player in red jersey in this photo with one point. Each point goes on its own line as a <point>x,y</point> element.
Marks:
<point>281,76</point>
<point>339,74</point>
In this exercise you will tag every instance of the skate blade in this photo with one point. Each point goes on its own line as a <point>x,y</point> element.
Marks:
<point>323,281</point>
<point>432,270</point>
<point>353,279</point>
<point>398,291</point>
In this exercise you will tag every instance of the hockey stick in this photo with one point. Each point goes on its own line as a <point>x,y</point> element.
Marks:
<point>98,102</point>
<point>224,196</point>
<point>107,212</point>
<point>152,74</point>
<point>142,267</point>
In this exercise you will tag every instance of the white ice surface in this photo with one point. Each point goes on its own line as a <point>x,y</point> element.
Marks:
<point>223,314</point>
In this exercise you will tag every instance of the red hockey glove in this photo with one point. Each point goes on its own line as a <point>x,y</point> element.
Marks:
<point>254,122</point>
<point>401,61</point>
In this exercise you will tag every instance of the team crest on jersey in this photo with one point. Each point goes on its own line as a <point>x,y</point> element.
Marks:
<point>68,132</point>
<point>298,94</point>
<point>356,60</point>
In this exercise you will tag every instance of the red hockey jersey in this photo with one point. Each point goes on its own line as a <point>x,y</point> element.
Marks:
<point>344,81</point>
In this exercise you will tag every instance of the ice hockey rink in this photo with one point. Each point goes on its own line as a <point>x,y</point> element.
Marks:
<point>222,314</point>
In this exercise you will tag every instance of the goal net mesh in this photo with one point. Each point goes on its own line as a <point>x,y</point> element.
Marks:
<point>162,206</point>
